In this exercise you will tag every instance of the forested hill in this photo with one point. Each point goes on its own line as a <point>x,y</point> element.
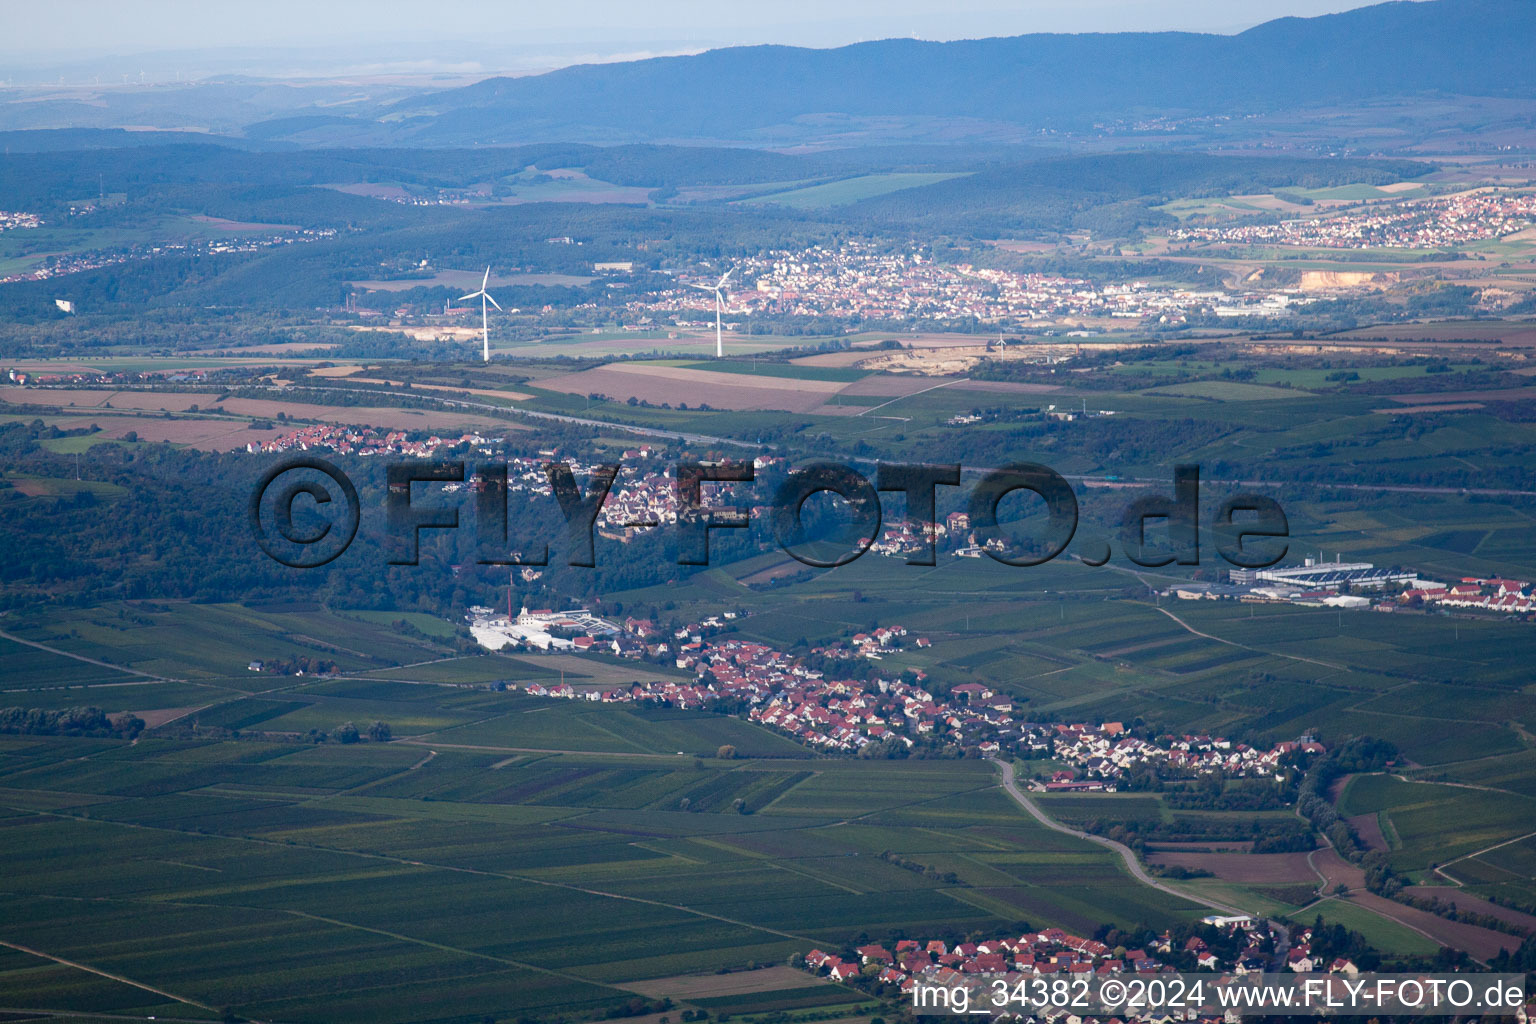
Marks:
<point>1466,47</point>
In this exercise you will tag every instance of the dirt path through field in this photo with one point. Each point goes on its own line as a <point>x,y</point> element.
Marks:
<point>80,657</point>
<point>108,975</point>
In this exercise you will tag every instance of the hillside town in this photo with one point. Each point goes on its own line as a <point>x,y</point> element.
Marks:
<point>1443,223</point>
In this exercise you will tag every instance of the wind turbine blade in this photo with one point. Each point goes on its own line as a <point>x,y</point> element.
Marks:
<point>493,302</point>
<point>471,295</point>
<point>700,287</point>
<point>725,277</point>
<point>486,279</point>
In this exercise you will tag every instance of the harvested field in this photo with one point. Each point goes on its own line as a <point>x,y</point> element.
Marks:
<point>151,401</point>
<point>675,385</point>
<point>895,387</point>
<point>100,399</point>
<point>155,717</point>
<point>1476,904</point>
<point>209,435</point>
<point>1249,868</point>
<point>1520,335</point>
<point>371,416</point>
<point>1482,943</point>
<point>1336,869</point>
<point>1369,828</point>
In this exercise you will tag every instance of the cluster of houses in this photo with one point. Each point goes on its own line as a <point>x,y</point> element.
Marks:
<point>1104,753</point>
<point>1489,595</point>
<point>1415,224</point>
<point>644,496</point>
<point>847,716</point>
<point>906,964</point>
<point>349,440</point>
<point>11,220</point>
<point>905,538</point>
<point>641,497</point>
<point>872,645</point>
<point>101,377</point>
<point>785,693</point>
<point>61,264</point>
<point>870,282</point>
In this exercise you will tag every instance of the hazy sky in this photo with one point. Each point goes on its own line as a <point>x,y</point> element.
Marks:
<point>64,30</point>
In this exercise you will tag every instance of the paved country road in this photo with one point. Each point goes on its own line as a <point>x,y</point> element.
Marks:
<point>1132,864</point>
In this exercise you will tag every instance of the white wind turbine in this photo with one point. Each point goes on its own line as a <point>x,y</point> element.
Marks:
<point>485,323</point>
<point>719,289</point>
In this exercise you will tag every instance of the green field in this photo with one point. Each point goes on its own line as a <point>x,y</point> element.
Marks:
<point>1435,824</point>
<point>536,882</point>
<point>1381,933</point>
<point>1225,391</point>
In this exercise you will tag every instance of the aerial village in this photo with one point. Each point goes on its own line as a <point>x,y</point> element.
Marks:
<point>861,281</point>
<point>880,715</point>
<point>1239,945</point>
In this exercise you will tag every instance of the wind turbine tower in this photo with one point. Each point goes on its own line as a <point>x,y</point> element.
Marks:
<point>719,289</point>
<point>485,323</point>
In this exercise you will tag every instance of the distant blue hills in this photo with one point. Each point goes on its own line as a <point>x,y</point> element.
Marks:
<point>1455,47</point>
